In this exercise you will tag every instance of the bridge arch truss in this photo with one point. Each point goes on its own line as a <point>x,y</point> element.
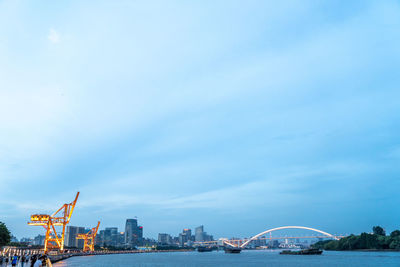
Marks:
<point>282,228</point>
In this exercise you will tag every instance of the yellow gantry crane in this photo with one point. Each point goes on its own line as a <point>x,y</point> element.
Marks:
<point>89,238</point>
<point>59,218</point>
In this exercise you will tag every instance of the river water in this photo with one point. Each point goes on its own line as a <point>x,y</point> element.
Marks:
<point>245,258</point>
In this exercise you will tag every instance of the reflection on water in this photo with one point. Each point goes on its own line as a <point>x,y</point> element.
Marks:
<point>246,258</point>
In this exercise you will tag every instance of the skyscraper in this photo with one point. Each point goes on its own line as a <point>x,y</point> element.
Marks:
<point>199,233</point>
<point>133,233</point>
<point>185,236</point>
<point>188,233</point>
<point>164,239</point>
<point>110,236</point>
<point>140,234</point>
<point>70,236</point>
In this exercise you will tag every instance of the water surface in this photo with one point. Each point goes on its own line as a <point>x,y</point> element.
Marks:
<point>245,258</point>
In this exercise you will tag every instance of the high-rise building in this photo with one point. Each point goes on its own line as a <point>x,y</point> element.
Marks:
<point>164,239</point>
<point>184,237</point>
<point>70,236</point>
<point>199,234</point>
<point>133,233</point>
<point>121,239</point>
<point>110,236</point>
<point>188,233</point>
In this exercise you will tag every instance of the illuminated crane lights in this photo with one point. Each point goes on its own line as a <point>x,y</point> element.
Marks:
<point>89,238</point>
<point>59,218</point>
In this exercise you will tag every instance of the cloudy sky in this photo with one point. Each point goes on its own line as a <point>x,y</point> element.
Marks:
<point>239,115</point>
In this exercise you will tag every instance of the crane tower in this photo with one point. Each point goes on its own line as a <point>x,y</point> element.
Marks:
<point>59,218</point>
<point>89,238</point>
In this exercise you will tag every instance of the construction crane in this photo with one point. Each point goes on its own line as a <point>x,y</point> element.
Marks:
<point>54,241</point>
<point>89,238</point>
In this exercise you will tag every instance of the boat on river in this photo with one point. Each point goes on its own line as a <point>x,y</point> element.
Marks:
<point>232,250</point>
<point>310,251</point>
<point>204,249</point>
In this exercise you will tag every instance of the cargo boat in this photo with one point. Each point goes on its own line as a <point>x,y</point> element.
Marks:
<point>311,251</point>
<point>204,249</point>
<point>232,250</point>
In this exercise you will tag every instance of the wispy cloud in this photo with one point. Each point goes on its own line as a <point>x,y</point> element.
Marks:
<point>54,36</point>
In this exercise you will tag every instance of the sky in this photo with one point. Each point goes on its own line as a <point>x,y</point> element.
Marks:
<point>237,115</point>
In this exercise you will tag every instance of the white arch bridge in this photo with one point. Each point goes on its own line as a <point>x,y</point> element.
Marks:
<point>246,242</point>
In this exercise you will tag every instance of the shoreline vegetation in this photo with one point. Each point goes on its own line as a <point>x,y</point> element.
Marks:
<point>375,241</point>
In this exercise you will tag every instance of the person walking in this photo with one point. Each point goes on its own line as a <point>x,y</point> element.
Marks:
<point>38,263</point>
<point>23,259</point>
<point>14,260</point>
<point>33,260</point>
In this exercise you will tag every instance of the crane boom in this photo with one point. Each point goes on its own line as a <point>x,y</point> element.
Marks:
<point>89,238</point>
<point>53,240</point>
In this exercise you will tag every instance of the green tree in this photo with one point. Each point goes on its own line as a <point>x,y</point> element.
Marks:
<point>5,235</point>
<point>378,230</point>
<point>367,241</point>
<point>348,243</point>
<point>395,244</point>
<point>395,233</point>
<point>332,245</point>
<point>384,242</point>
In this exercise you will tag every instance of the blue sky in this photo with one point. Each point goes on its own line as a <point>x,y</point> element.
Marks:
<point>239,115</point>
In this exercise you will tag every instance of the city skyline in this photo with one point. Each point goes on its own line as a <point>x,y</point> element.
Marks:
<point>111,238</point>
<point>131,238</point>
<point>237,116</point>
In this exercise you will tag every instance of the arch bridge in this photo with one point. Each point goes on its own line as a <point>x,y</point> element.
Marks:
<point>328,235</point>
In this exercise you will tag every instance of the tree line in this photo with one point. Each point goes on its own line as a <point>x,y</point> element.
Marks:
<point>5,235</point>
<point>377,240</point>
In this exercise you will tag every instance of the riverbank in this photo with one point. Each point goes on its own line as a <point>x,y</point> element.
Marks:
<point>375,241</point>
<point>366,250</point>
<point>56,257</point>
<point>256,258</point>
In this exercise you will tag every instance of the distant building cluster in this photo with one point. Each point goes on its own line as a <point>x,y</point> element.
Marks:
<point>132,236</point>
<point>109,237</point>
<point>185,238</point>
<point>27,241</point>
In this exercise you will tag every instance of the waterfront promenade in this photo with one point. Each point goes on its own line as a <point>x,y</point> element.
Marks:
<point>8,252</point>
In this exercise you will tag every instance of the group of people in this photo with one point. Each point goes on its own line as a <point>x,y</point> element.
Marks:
<point>35,260</point>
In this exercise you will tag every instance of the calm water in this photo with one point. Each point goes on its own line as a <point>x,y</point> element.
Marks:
<point>246,258</point>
